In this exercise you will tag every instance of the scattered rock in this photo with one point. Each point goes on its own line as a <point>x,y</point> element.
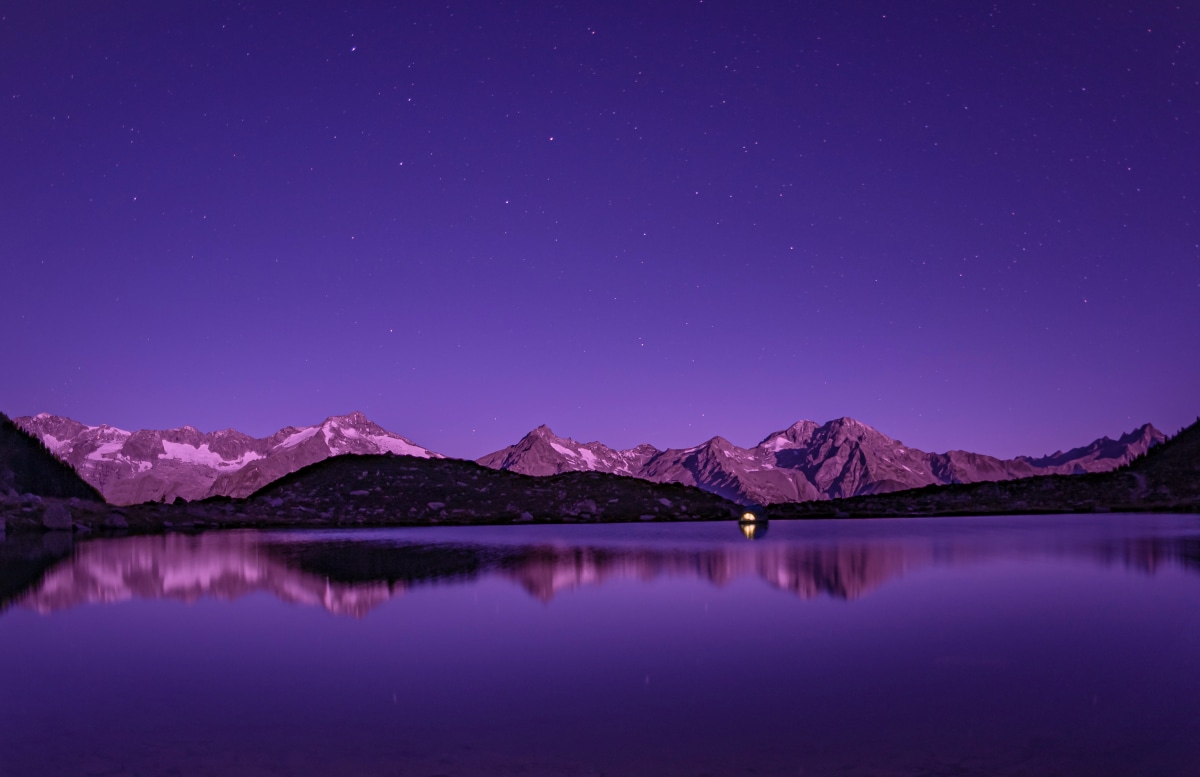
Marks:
<point>583,506</point>
<point>436,505</point>
<point>360,492</point>
<point>116,521</point>
<point>526,516</point>
<point>57,517</point>
<point>645,517</point>
<point>664,502</point>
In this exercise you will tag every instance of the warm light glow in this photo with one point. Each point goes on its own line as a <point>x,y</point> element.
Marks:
<point>748,530</point>
<point>748,517</point>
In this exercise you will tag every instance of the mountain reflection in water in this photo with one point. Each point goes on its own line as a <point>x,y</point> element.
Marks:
<point>349,573</point>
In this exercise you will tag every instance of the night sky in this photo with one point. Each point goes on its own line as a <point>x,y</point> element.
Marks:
<point>971,225</point>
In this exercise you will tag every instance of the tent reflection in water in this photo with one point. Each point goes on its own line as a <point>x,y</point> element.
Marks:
<point>753,525</point>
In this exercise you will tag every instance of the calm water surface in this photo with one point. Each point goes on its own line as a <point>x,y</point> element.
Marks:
<point>999,646</point>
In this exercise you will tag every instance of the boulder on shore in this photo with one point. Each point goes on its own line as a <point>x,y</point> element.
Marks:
<point>57,517</point>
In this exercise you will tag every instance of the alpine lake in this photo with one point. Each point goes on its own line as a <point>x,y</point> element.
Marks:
<point>999,646</point>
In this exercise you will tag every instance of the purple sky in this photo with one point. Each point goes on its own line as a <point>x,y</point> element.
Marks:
<point>634,222</point>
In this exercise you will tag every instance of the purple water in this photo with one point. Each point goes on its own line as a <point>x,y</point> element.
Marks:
<point>1001,646</point>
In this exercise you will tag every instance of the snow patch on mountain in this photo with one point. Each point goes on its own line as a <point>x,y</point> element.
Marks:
<point>306,434</point>
<point>203,455</point>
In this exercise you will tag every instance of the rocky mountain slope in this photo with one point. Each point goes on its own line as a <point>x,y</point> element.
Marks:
<point>1167,478</point>
<point>808,461</point>
<point>156,465</point>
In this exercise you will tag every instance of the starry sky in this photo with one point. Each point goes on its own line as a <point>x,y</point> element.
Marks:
<point>971,225</point>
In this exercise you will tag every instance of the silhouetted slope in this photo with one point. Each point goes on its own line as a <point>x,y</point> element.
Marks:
<point>1167,477</point>
<point>408,490</point>
<point>28,467</point>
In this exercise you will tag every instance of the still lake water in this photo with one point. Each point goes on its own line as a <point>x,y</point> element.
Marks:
<point>1065,645</point>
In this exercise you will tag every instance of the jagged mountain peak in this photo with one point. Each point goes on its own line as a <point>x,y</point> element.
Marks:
<point>354,418</point>
<point>1145,431</point>
<point>716,443</point>
<point>853,425</point>
<point>542,452</point>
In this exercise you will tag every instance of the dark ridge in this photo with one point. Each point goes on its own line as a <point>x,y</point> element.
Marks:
<point>28,467</point>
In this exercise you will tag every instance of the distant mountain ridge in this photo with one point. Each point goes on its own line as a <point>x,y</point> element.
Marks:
<point>808,461</point>
<point>152,465</point>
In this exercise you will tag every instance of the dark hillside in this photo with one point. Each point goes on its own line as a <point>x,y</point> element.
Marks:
<point>27,467</point>
<point>391,489</point>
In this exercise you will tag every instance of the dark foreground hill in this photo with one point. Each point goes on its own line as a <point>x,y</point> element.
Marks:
<point>27,467</point>
<point>408,490</point>
<point>1166,478</point>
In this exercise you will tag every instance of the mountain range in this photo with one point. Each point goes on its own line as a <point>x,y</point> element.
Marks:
<point>804,462</point>
<point>809,461</point>
<point>161,465</point>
